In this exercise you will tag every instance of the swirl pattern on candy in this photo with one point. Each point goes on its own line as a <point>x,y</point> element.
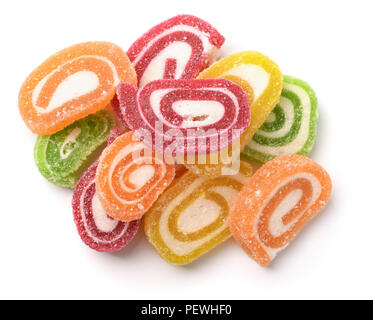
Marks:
<point>72,84</point>
<point>191,217</point>
<point>276,203</point>
<point>178,48</point>
<point>216,111</point>
<point>130,177</point>
<point>261,79</point>
<point>60,157</point>
<point>97,230</point>
<point>290,128</point>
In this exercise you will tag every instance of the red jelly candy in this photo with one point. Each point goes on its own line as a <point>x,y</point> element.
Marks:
<point>178,48</point>
<point>115,133</point>
<point>185,117</point>
<point>97,230</point>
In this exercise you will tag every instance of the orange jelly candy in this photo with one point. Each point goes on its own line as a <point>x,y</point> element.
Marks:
<point>276,203</point>
<point>72,84</point>
<point>130,177</point>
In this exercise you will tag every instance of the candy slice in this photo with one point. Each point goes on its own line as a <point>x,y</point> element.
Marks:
<point>290,128</point>
<point>131,177</point>
<point>97,230</point>
<point>62,156</point>
<point>178,48</point>
<point>191,217</point>
<point>276,203</point>
<point>72,84</point>
<point>186,117</point>
<point>261,79</point>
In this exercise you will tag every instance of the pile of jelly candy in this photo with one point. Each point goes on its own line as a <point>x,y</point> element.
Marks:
<point>169,134</point>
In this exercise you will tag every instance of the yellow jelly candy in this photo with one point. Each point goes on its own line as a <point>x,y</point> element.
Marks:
<point>191,217</point>
<point>261,79</point>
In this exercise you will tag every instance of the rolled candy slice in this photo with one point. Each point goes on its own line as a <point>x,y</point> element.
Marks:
<point>191,217</point>
<point>186,117</point>
<point>130,177</point>
<point>178,48</point>
<point>291,126</point>
<point>62,156</point>
<point>261,79</point>
<point>276,203</point>
<point>97,230</point>
<point>72,84</point>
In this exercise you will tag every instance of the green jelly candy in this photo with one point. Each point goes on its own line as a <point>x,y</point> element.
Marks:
<point>291,126</point>
<point>62,157</point>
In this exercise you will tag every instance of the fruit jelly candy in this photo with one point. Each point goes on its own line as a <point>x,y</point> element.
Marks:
<point>62,156</point>
<point>191,217</point>
<point>276,203</point>
<point>97,230</point>
<point>130,177</point>
<point>261,79</point>
<point>215,110</point>
<point>291,126</point>
<point>178,48</point>
<point>72,84</point>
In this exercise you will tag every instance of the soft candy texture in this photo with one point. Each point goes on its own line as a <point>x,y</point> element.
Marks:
<point>217,110</point>
<point>290,128</point>
<point>191,217</point>
<point>131,177</point>
<point>178,48</point>
<point>276,203</point>
<point>97,230</point>
<point>261,79</point>
<point>72,84</point>
<point>60,157</point>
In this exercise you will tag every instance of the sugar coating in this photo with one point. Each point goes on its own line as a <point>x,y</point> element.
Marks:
<point>71,84</point>
<point>61,156</point>
<point>291,126</point>
<point>178,48</point>
<point>213,108</point>
<point>125,185</point>
<point>276,203</point>
<point>191,217</point>
<point>96,229</point>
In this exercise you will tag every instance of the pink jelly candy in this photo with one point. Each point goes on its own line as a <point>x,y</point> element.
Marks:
<point>178,48</point>
<point>97,230</point>
<point>185,117</point>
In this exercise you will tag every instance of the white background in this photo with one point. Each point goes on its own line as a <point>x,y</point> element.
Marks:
<point>327,43</point>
